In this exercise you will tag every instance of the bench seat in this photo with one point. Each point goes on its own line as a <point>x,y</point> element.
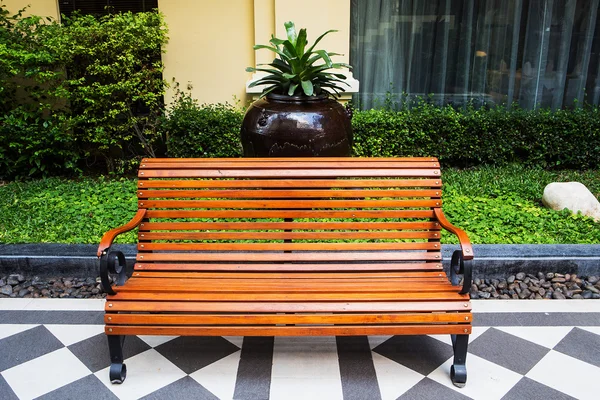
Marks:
<point>288,247</point>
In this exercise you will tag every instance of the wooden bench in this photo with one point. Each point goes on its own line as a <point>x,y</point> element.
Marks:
<point>288,247</point>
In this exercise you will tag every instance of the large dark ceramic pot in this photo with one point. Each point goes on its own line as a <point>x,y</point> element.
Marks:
<point>297,126</point>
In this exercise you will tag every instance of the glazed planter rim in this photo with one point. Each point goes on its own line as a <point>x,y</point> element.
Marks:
<point>297,98</point>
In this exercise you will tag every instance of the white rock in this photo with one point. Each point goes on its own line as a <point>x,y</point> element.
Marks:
<point>573,196</point>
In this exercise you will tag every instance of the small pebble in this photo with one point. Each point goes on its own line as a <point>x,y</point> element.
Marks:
<point>7,290</point>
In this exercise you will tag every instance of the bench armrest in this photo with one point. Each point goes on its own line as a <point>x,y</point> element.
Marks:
<point>109,236</point>
<point>465,243</point>
<point>461,259</point>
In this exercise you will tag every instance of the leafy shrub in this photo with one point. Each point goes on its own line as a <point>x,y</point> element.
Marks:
<point>467,137</point>
<point>211,130</point>
<point>86,90</point>
<point>34,145</point>
<point>35,137</point>
<point>114,83</point>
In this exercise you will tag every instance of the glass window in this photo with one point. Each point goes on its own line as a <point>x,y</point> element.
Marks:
<point>98,7</point>
<point>539,53</point>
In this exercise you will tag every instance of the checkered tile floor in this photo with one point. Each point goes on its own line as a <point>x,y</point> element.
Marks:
<point>56,349</point>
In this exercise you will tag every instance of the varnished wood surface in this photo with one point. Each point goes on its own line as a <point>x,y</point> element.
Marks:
<point>294,246</point>
<point>274,319</point>
<point>287,257</point>
<point>289,183</point>
<point>451,306</point>
<point>289,267</point>
<point>336,330</point>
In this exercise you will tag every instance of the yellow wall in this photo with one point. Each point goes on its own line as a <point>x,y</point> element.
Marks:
<point>332,14</point>
<point>210,46</point>
<point>210,41</point>
<point>44,8</point>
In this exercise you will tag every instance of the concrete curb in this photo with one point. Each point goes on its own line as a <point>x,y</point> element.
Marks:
<point>491,261</point>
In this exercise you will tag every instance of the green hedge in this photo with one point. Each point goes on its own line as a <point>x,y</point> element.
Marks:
<point>459,137</point>
<point>193,130</point>
<point>467,137</point>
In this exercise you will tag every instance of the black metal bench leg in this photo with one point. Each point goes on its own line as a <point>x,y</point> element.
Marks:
<point>118,370</point>
<point>458,370</point>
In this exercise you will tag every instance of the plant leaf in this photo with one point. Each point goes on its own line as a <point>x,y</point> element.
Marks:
<point>273,49</point>
<point>325,57</point>
<point>307,88</point>
<point>291,32</point>
<point>292,89</point>
<point>301,42</point>
<point>270,71</point>
<point>268,90</point>
<point>319,39</point>
<point>275,41</point>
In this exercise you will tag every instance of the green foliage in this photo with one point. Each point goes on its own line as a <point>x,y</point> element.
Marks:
<point>35,137</point>
<point>295,72</point>
<point>202,131</point>
<point>470,136</point>
<point>114,83</point>
<point>35,145</point>
<point>85,90</point>
<point>503,205</point>
<point>65,211</point>
<point>494,205</point>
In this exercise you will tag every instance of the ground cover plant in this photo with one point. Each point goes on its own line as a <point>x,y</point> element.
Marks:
<point>493,204</point>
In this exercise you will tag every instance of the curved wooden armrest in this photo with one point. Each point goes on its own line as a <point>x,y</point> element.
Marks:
<point>109,236</point>
<point>465,243</point>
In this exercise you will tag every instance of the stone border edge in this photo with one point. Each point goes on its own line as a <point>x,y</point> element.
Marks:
<point>491,261</point>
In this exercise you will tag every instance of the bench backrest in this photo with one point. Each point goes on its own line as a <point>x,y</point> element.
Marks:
<point>313,214</point>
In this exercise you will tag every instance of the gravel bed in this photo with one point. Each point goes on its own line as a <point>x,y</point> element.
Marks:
<point>519,287</point>
<point>540,286</point>
<point>16,285</point>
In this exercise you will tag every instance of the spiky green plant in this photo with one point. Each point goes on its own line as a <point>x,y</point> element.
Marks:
<point>297,71</point>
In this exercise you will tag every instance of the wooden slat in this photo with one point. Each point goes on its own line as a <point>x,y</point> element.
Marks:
<point>345,226</point>
<point>460,306</point>
<point>297,297</point>
<point>288,183</point>
<point>258,257</point>
<point>286,159</point>
<point>433,291</point>
<point>289,214</point>
<point>338,247</point>
<point>271,319</point>
<point>272,194</point>
<point>321,236</point>
<point>337,276</point>
<point>288,173</point>
<point>332,267</point>
<point>337,330</point>
<point>233,286</point>
<point>287,204</point>
<point>271,164</point>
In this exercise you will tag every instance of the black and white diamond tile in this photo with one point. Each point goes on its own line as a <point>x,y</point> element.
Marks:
<point>63,360</point>
<point>516,354</point>
<point>193,353</point>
